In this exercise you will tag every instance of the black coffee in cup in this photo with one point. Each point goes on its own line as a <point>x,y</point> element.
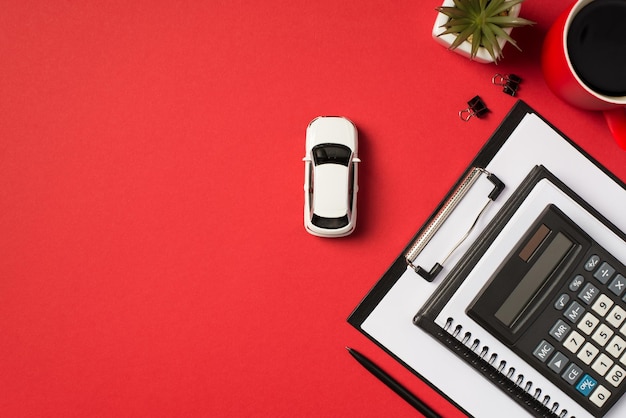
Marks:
<point>596,44</point>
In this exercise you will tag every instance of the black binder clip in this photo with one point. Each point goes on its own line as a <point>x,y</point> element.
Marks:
<point>476,108</point>
<point>509,82</point>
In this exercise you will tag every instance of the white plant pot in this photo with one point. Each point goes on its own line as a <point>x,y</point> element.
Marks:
<point>466,47</point>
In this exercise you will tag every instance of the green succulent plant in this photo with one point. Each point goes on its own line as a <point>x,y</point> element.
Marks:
<point>481,22</point>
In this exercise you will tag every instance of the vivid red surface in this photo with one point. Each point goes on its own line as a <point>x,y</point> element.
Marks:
<point>153,260</point>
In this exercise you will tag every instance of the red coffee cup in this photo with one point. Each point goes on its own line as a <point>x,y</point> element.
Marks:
<point>583,60</point>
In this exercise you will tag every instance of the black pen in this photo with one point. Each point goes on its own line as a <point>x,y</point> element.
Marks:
<point>393,384</point>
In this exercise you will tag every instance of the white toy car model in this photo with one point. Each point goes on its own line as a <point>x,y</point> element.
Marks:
<point>330,177</point>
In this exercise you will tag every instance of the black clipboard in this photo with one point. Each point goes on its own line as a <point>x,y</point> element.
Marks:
<point>399,266</point>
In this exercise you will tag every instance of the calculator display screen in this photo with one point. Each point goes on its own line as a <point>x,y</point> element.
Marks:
<point>536,277</point>
<point>513,298</point>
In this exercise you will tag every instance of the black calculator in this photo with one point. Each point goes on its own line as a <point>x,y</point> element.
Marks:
<point>559,301</point>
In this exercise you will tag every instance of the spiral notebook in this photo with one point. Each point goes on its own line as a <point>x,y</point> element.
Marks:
<point>531,205</point>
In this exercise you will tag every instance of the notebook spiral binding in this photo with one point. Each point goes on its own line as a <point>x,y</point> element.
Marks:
<point>487,363</point>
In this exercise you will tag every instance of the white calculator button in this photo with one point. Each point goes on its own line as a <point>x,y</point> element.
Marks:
<point>574,341</point>
<point>588,323</point>
<point>616,316</point>
<point>616,376</point>
<point>616,346</point>
<point>602,364</point>
<point>602,305</point>
<point>623,330</point>
<point>600,396</point>
<point>588,353</point>
<point>602,335</point>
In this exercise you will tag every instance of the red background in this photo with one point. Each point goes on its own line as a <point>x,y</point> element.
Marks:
<point>153,260</point>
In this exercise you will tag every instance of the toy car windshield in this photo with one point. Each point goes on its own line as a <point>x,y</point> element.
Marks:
<point>330,223</point>
<point>331,153</point>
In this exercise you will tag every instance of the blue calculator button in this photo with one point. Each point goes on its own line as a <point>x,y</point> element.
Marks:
<point>586,385</point>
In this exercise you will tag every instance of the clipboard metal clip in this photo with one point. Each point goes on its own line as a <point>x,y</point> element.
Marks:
<point>448,207</point>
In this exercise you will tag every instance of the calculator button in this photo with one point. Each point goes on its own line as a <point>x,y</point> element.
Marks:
<point>560,330</point>
<point>586,385</point>
<point>616,316</point>
<point>574,312</point>
<point>602,305</point>
<point>574,341</point>
<point>602,335</point>
<point>602,364</point>
<point>588,294</point>
<point>561,302</point>
<point>558,362</point>
<point>599,396</point>
<point>576,283</point>
<point>588,353</point>
<point>543,351</point>
<point>572,373</point>
<point>604,273</point>
<point>588,323</point>
<point>618,285</point>
<point>616,346</point>
<point>592,263</point>
<point>616,376</point>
